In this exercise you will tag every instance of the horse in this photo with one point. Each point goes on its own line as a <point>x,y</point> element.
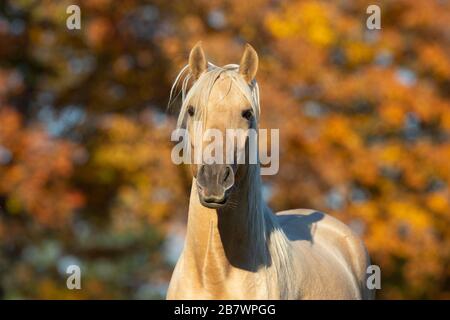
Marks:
<point>235,247</point>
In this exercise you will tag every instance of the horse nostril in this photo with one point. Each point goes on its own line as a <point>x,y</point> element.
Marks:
<point>200,170</point>
<point>227,174</point>
<point>228,178</point>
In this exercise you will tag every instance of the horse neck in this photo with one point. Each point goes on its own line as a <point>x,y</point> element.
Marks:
<point>220,240</point>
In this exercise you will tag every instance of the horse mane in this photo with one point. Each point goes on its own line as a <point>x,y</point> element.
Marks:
<point>268,234</point>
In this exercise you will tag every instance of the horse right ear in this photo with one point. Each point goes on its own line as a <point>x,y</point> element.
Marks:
<point>197,61</point>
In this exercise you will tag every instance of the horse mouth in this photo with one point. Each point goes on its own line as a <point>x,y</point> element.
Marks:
<point>213,204</point>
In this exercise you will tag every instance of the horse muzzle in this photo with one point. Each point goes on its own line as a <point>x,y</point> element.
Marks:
<point>213,183</point>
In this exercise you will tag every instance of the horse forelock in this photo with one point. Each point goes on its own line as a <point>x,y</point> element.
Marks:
<point>198,92</point>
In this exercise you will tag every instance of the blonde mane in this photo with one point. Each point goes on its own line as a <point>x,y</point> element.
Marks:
<point>268,236</point>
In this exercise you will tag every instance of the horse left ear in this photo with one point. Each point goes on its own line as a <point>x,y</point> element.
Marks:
<point>197,61</point>
<point>249,63</point>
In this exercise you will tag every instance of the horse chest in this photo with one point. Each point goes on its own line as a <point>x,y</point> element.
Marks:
<point>236,285</point>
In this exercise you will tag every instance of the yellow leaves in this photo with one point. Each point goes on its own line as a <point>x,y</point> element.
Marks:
<point>367,210</point>
<point>137,155</point>
<point>353,139</point>
<point>397,158</point>
<point>130,146</point>
<point>358,53</point>
<point>382,236</point>
<point>49,289</point>
<point>279,28</point>
<point>137,201</point>
<point>54,11</point>
<point>123,156</point>
<point>309,20</point>
<point>120,128</point>
<point>438,202</point>
<point>391,154</point>
<point>14,205</point>
<point>320,34</point>
<point>404,228</point>
<point>338,130</point>
<point>410,213</point>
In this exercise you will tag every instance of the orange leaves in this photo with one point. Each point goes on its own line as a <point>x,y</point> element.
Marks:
<point>338,130</point>
<point>99,31</point>
<point>11,122</point>
<point>436,60</point>
<point>363,169</point>
<point>392,114</point>
<point>381,125</point>
<point>364,121</point>
<point>34,179</point>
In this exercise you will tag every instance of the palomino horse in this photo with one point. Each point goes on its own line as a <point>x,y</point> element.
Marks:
<point>235,247</point>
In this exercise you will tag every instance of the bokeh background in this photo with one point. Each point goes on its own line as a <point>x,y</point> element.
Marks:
<point>85,170</point>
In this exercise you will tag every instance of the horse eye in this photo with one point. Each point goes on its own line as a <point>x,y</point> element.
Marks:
<point>247,114</point>
<point>191,111</point>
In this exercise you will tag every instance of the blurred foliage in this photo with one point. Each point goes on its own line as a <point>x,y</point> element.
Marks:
<point>85,169</point>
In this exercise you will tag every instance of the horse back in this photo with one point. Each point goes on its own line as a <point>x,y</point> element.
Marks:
<point>313,231</point>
